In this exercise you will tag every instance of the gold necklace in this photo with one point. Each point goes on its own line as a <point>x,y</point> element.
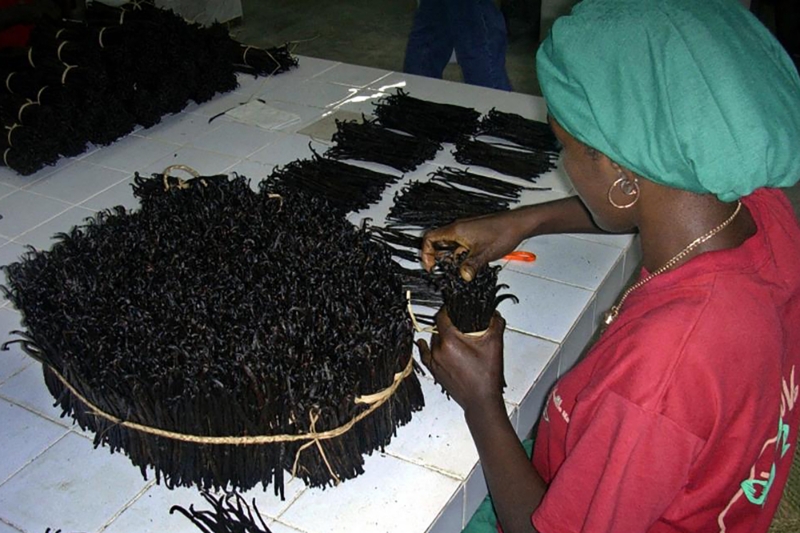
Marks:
<point>612,313</point>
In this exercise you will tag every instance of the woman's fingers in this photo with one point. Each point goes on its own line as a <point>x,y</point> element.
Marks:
<point>424,353</point>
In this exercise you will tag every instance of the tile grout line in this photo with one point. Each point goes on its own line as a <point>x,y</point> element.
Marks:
<point>127,506</point>
<point>33,459</point>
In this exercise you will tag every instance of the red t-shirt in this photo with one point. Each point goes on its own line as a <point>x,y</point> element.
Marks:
<point>683,416</point>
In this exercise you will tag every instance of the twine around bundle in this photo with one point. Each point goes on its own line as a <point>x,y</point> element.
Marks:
<point>374,401</point>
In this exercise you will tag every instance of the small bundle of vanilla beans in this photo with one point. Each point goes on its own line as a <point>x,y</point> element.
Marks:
<point>465,178</point>
<point>519,130</point>
<point>522,163</point>
<point>222,337</point>
<point>346,187</point>
<point>230,514</point>
<point>430,120</point>
<point>470,304</point>
<point>369,141</point>
<point>430,204</point>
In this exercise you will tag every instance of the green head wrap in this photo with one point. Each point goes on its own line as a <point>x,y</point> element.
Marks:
<point>692,94</point>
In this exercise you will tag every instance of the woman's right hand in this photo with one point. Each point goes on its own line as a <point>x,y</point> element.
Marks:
<point>491,237</point>
<point>485,239</point>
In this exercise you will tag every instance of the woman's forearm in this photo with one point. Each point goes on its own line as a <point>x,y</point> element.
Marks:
<point>515,486</point>
<point>568,215</point>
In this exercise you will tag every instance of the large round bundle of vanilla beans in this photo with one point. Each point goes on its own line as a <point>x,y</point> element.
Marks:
<point>216,311</point>
<point>124,66</point>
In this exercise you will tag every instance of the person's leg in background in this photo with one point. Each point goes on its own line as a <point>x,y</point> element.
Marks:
<point>430,44</point>
<point>480,36</point>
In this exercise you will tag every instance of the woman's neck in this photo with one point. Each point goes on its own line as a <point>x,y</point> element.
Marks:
<point>670,223</point>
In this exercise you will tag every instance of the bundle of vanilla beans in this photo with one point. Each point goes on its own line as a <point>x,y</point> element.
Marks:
<point>94,81</point>
<point>470,304</point>
<point>519,130</point>
<point>432,204</point>
<point>347,187</point>
<point>422,118</point>
<point>229,513</point>
<point>369,141</point>
<point>214,315</point>
<point>517,161</point>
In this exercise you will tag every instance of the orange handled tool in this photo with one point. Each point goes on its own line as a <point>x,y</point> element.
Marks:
<point>527,257</point>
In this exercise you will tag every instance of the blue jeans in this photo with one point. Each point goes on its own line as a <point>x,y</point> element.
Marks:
<point>474,28</point>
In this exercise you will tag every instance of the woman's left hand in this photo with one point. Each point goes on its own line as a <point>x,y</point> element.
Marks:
<point>469,368</point>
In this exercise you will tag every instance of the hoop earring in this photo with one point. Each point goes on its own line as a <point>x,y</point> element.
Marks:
<point>628,188</point>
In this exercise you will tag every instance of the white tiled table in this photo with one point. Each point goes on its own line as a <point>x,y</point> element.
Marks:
<point>429,478</point>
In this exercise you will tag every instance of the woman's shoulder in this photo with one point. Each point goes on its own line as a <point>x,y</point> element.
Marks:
<point>720,332</point>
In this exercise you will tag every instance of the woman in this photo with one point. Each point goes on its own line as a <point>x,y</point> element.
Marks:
<point>678,119</point>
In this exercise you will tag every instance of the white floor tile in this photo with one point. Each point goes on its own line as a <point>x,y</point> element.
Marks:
<point>288,148</point>
<point>474,493</point>
<point>23,211</point>
<point>308,67</point>
<point>236,140</point>
<point>452,517</point>
<point>205,162</point>
<point>531,407</point>
<point>568,260</point>
<point>309,93</point>
<point>71,486</point>
<point>21,426</point>
<point>437,436</point>
<point>307,114</point>
<point>271,506</point>
<point>255,171</point>
<point>42,236</point>
<point>5,190</point>
<point>179,129</point>
<point>376,502</point>
<point>525,358</point>
<point>77,182</point>
<point>546,308</point>
<point>13,360</point>
<point>10,252</point>
<point>131,154</point>
<point>5,528</point>
<point>577,340</point>
<point>220,104</point>
<point>150,512</point>
<point>351,75</point>
<point>119,194</point>
<point>27,388</point>
<point>276,527</point>
<point>13,178</point>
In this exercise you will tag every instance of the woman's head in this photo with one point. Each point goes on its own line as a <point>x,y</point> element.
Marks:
<point>608,190</point>
<point>693,95</point>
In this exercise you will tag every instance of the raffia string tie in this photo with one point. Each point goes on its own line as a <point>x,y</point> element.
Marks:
<point>417,326</point>
<point>313,431</point>
<point>244,55</point>
<point>10,131</point>
<point>8,81</point>
<point>374,401</point>
<point>39,94</point>
<point>5,156</point>
<point>100,36</point>
<point>58,52</point>
<point>64,75</point>
<point>30,57</point>
<point>22,108</point>
<point>58,33</point>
